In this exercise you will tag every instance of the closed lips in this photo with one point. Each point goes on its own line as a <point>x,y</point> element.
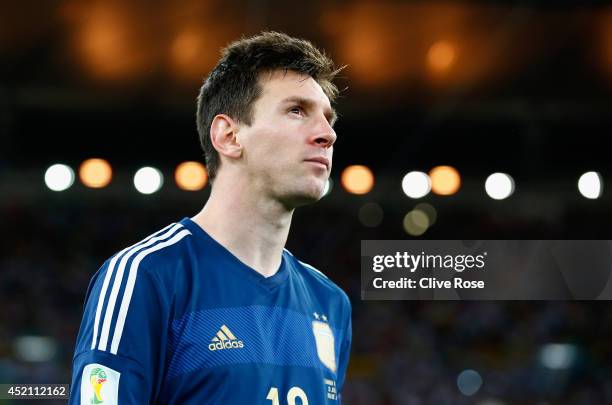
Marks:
<point>322,160</point>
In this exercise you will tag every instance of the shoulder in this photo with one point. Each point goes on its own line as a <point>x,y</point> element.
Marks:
<point>318,278</point>
<point>158,251</point>
<point>131,289</point>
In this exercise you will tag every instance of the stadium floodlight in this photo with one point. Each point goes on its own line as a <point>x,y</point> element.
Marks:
<point>148,180</point>
<point>416,184</point>
<point>357,179</point>
<point>590,185</point>
<point>59,177</point>
<point>499,186</point>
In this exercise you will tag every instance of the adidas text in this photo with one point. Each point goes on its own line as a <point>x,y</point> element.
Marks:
<point>227,344</point>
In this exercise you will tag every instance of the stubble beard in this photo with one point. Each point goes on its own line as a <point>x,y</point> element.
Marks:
<point>310,191</point>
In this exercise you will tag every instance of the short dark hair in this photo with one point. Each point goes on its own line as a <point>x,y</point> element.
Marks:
<point>233,86</point>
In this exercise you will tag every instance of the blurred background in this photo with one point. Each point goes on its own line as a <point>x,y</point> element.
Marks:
<point>458,120</point>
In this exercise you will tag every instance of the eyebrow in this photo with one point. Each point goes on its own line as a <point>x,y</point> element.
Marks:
<point>330,113</point>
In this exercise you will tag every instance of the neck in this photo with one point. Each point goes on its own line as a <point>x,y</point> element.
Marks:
<point>253,227</point>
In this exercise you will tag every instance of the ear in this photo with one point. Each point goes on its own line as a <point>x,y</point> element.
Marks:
<point>223,131</point>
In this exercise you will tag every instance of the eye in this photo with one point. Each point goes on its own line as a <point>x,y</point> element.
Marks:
<point>296,109</point>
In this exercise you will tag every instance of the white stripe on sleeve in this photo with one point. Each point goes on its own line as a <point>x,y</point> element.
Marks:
<point>129,288</point>
<point>110,307</point>
<point>107,277</point>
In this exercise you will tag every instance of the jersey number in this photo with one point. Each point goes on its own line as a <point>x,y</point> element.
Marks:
<point>294,392</point>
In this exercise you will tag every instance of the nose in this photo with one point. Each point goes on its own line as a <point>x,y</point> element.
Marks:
<point>325,135</point>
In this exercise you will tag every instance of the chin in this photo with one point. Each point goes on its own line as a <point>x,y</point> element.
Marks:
<point>306,195</point>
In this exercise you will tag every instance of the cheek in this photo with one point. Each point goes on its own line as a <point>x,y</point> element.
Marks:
<point>272,147</point>
<point>259,142</point>
<point>278,145</point>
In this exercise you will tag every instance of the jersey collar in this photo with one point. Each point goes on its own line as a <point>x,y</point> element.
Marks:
<point>269,283</point>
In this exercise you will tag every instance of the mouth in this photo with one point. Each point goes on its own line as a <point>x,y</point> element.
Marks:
<point>320,161</point>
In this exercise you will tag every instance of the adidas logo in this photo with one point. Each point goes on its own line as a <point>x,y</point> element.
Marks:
<point>225,339</point>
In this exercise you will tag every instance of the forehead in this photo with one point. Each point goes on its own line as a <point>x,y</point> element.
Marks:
<point>281,84</point>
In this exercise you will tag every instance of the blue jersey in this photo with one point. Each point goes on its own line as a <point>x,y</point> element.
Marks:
<point>178,319</point>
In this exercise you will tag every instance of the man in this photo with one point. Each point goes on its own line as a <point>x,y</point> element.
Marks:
<point>213,309</point>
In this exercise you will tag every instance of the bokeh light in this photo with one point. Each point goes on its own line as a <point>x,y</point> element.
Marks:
<point>441,56</point>
<point>191,176</point>
<point>366,39</point>
<point>557,356</point>
<point>499,186</point>
<point>95,173</point>
<point>429,210</point>
<point>445,180</point>
<point>148,180</point>
<point>371,214</point>
<point>590,185</point>
<point>416,184</point>
<point>193,51</point>
<point>35,348</point>
<point>469,382</point>
<point>59,177</point>
<point>357,179</point>
<point>416,223</point>
<point>111,43</point>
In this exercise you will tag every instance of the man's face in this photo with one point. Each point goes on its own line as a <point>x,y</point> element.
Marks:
<point>289,146</point>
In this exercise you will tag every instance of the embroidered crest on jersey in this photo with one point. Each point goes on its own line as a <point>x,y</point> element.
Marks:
<point>324,339</point>
<point>99,385</point>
